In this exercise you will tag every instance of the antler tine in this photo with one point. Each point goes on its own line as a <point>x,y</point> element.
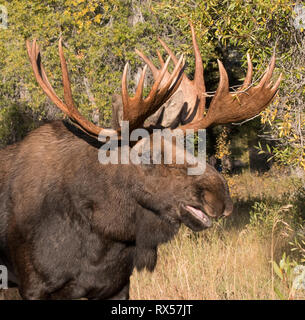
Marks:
<point>152,67</point>
<point>248,78</point>
<point>168,50</point>
<point>65,78</point>
<point>37,58</point>
<point>237,106</point>
<point>45,78</point>
<point>177,74</point>
<point>277,83</point>
<point>125,96</point>
<point>160,77</point>
<point>174,74</point>
<point>139,91</point>
<point>34,55</point>
<point>135,109</point>
<point>198,76</point>
<point>268,73</point>
<point>160,58</point>
<point>223,86</point>
<point>68,108</point>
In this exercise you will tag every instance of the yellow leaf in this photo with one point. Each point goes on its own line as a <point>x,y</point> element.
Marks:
<point>98,18</point>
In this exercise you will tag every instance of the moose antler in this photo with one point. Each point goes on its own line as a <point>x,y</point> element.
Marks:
<point>226,107</point>
<point>136,109</point>
<point>193,90</point>
<point>68,107</point>
<point>245,103</point>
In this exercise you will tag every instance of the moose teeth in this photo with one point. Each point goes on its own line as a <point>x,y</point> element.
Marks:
<point>197,213</point>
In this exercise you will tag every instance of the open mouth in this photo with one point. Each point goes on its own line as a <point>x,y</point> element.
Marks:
<point>200,215</point>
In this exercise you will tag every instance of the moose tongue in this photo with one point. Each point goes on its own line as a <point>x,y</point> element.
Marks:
<point>199,215</point>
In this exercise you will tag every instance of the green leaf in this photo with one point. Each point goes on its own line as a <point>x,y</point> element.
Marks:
<point>279,294</point>
<point>277,270</point>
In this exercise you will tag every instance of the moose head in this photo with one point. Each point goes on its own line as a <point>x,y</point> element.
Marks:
<point>71,226</point>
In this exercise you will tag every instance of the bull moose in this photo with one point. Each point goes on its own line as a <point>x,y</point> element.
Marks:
<point>71,227</point>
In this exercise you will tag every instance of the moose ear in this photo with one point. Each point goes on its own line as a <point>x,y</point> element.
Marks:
<point>194,218</point>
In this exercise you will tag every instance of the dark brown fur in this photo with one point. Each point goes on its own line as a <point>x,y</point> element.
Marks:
<point>71,227</point>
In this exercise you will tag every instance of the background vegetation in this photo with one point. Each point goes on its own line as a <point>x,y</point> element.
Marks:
<point>242,257</point>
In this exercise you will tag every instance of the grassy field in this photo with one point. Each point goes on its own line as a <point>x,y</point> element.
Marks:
<point>232,260</point>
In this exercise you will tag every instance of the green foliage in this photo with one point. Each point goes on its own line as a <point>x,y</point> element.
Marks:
<point>284,271</point>
<point>291,276</point>
<point>266,214</point>
<point>298,243</point>
<point>14,123</point>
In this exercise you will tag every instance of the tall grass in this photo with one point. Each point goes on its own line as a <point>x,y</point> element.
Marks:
<point>232,260</point>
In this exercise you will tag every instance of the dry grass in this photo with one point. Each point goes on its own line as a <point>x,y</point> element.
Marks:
<point>249,186</point>
<point>229,261</point>
<point>235,267</point>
